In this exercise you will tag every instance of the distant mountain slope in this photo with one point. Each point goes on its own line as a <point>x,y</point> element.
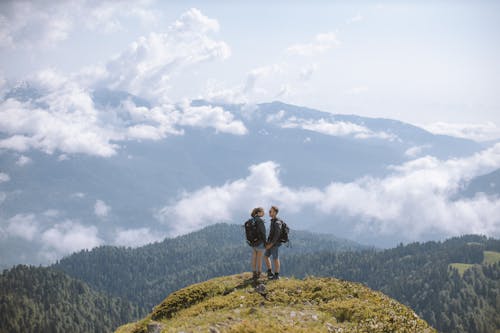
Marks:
<point>144,274</point>
<point>312,148</point>
<point>488,184</point>
<point>36,299</point>
<point>232,304</point>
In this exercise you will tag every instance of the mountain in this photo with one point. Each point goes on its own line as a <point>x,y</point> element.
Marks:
<point>233,304</point>
<point>37,299</point>
<point>453,284</point>
<point>488,184</point>
<point>124,199</point>
<point>143,275</point>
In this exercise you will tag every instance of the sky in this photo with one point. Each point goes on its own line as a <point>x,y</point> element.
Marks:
<point>434,64</point>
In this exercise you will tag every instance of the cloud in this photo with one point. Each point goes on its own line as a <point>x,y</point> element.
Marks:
<point>23,226</point>
<point>101,210</point>
<point>68,237</point>
<point>336,128</point>
<point>209,116</point>
<point>147,67</point>
<point>477,132</point>
<point>23,160</point>
<point>209,204</point>
<point>158,122</point>
<point>47,23</point>
<point>414,200</point>
<point>137,237</point>
<point>415,151</point>
<point>4,177</point>
<point>65,119</point>
<point>320,44</point>
<point>259,73</point>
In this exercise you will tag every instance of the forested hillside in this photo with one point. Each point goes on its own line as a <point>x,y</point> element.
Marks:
<point>145,275</point>
<point>424,277</point>
<point>454,285</point>
<point>420,275</point>
<point>37,299</point>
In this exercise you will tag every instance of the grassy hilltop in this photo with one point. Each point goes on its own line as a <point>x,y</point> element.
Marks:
<point>236,304</point>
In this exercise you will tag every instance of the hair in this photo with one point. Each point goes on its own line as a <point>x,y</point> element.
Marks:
<point>276,209</point>
<point>256,211</point>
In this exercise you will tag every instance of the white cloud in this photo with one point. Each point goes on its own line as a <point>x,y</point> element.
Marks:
<point>146,68</point>
<point>275,116</point>
<point>158,122</point>
<point>4,177</point>
<point>137,237</point>
<point>23,160</point>
<point>416,150</point>
<point>65,119</point>
<point>67,237</point>
<point>23,226</point>
<point>3,196</point>
<point>46,23</point>
<point>69,123</point>
<point>336,128</point>
<point>50,238</point>
<point>259,73</point>
<point>219,204</point>
<point>414,200</point>
<point>101,210</point>
<point>478,132</point>
<point>321,43</point>
<point>208,116</point>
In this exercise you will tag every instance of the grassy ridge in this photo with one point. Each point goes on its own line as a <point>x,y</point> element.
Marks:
<point>233,304</point>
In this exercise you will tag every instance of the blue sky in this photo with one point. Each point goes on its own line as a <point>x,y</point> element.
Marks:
<point>434,64</point>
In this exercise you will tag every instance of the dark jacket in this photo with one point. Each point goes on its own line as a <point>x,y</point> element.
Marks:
<point>274,232</point>
<point>262,230</point>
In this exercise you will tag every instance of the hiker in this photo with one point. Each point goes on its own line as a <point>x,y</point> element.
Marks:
<point>258,247</point>
<point>273,244</point>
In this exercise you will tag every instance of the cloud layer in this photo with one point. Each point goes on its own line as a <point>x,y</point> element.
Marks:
<point>147,67</point>
<point>477,132</point>
<point>63,117</point>
<point>47,23</point>
<point>415,200</point>
<point>336,128</point>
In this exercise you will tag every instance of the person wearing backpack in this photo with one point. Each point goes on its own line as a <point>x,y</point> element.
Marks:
<point>273,244</point>
<point>256,227</point>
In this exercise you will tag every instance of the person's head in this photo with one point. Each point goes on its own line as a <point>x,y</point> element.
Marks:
<point>273,211</point>
<point>259,211</point>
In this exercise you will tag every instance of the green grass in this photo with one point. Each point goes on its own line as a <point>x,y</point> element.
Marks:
<point>491,257</point>
<point>231,304</point>
<point>461,267</point>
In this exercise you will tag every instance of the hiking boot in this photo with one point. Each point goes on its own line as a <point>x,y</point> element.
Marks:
<point>276,276</point>
<point>270,274</point>
<point>254,276</point>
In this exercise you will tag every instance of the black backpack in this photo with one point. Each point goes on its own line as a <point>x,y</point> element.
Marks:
<point>251,232</point>
<point>284,231</point>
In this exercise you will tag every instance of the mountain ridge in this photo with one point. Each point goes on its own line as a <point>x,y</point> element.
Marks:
<point>238,304</point>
